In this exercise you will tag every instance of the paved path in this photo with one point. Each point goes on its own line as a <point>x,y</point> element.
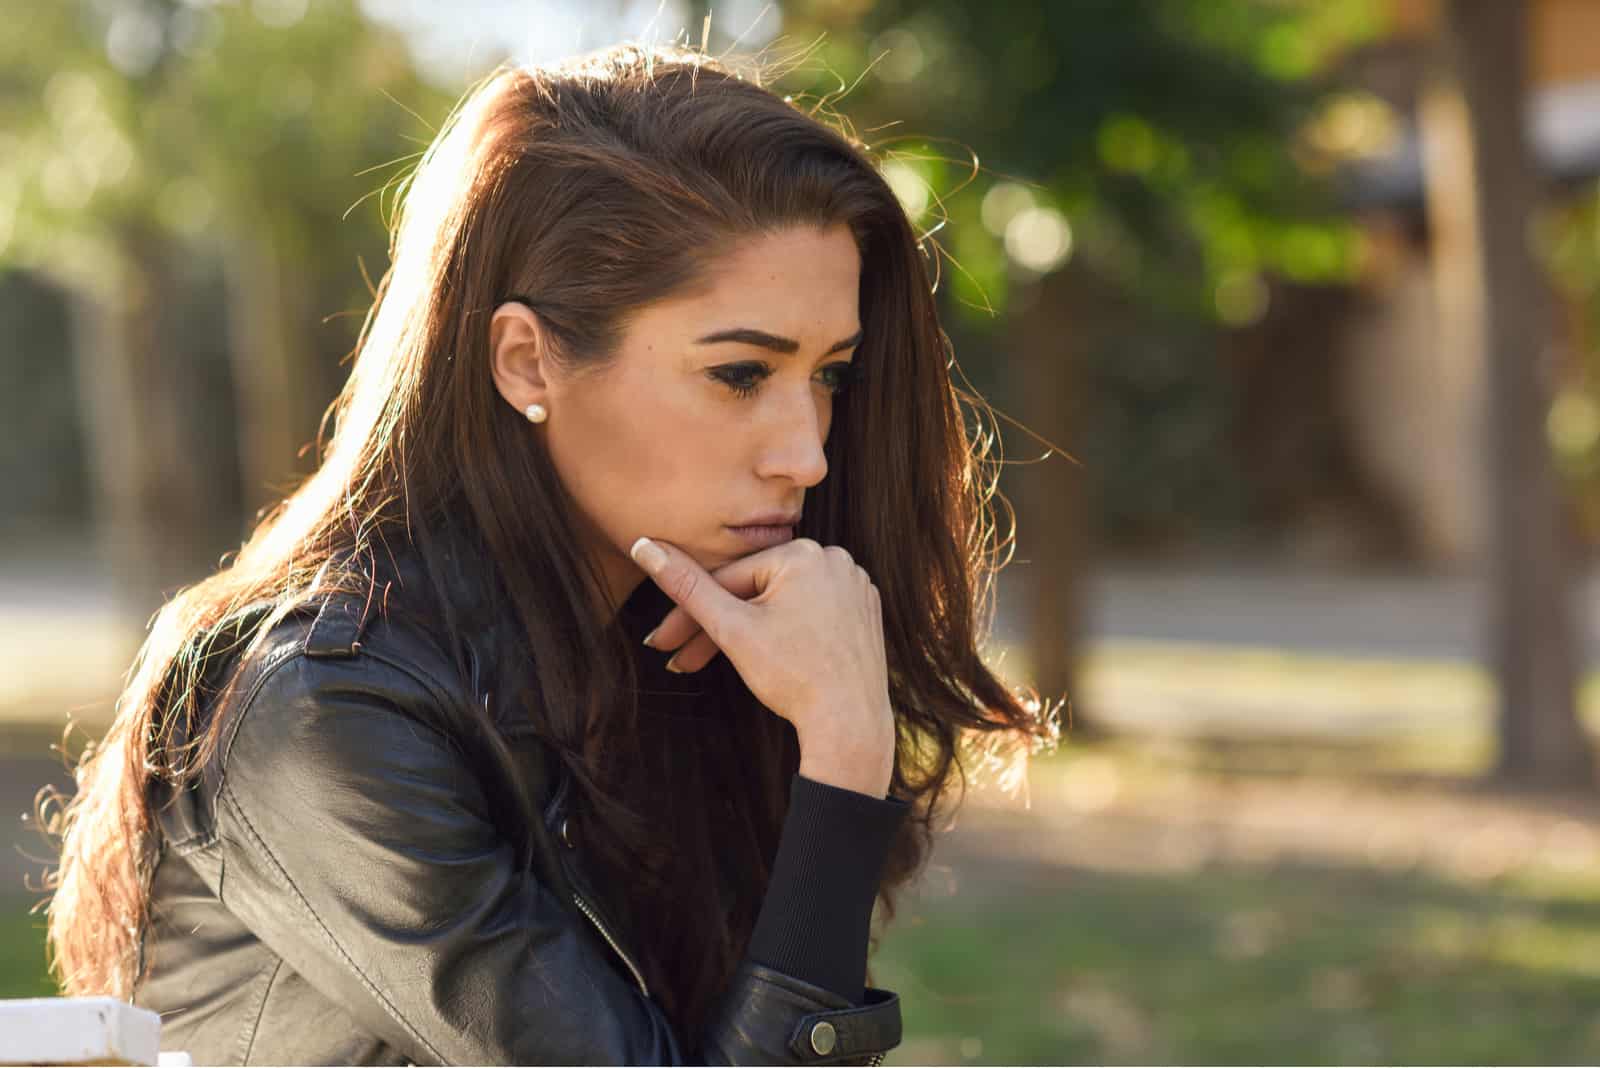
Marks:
<point>1403,615</point>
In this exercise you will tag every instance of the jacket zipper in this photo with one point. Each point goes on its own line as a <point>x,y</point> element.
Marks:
<point>593,914</point>
<point>583,906</point>
<point>588,910</point>
<point>577,898</point>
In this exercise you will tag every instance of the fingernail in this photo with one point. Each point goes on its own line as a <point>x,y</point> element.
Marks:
<point>650,636</point>
<point>648,555</point>
<point>672,665</point>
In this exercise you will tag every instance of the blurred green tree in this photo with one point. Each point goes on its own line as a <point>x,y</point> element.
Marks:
<point>148,146</point>
<point>1169,137</point>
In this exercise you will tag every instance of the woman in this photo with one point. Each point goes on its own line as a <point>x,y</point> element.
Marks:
<point>615,658</point>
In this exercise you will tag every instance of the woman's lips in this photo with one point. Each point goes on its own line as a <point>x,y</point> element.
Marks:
<point>762,537</point>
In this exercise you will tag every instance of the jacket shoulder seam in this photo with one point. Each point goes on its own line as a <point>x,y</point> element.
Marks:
<point>278,658</point>
<point>275,660</point>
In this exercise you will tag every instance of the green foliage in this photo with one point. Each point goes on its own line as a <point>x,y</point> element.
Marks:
<point>199,177</point>
<point>137,121</point>
<point>1165,133</point>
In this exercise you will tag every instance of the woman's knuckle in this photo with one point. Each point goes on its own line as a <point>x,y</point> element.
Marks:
<point>684,585</point>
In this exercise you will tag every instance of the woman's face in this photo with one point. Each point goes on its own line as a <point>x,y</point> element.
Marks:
<point>713,415</point>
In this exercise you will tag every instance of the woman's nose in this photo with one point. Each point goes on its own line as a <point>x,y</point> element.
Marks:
<point>794,450</point>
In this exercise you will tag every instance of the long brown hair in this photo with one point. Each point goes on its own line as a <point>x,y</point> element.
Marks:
<point>591,189</point>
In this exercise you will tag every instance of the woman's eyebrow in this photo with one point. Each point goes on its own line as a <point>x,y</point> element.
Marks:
<point>785,345</point>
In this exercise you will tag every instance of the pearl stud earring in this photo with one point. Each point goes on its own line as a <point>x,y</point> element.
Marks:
<point>536,413</point>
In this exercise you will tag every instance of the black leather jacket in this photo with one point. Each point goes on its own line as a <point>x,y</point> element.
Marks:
<point>334,889</point>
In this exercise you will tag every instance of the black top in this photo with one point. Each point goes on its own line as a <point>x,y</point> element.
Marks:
<point>815,920</point>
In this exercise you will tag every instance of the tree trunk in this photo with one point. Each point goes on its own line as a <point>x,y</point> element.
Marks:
<point>136,400</point>
<point>1502,313</point>
<point>266,319</point>
<point>1051,504</point>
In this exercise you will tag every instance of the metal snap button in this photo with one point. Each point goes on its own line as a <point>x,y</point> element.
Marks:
<point>823,1038</point>
<point>566,832</point>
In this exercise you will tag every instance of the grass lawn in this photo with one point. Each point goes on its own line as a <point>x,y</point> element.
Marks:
<point>22,962</point>
<point>1323,917</point>
<point>1297,965</point>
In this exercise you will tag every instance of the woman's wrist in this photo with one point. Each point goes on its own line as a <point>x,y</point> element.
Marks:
<point>865,765</point>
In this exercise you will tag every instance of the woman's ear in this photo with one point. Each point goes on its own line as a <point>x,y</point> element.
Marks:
<point>519,355</point>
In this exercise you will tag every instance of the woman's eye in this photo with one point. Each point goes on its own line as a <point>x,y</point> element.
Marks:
<point>745,378</point>
<point>742,378</point>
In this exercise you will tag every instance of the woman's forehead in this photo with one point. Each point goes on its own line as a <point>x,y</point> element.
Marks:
<point>801,283</point>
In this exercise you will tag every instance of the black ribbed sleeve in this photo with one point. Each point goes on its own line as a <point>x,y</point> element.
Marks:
<point>817,915</point>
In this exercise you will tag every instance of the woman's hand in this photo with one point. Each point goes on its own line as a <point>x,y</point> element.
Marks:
<point>803,627</point>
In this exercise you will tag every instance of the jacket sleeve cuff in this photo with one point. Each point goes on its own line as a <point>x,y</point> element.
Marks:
<point>817,914</point>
